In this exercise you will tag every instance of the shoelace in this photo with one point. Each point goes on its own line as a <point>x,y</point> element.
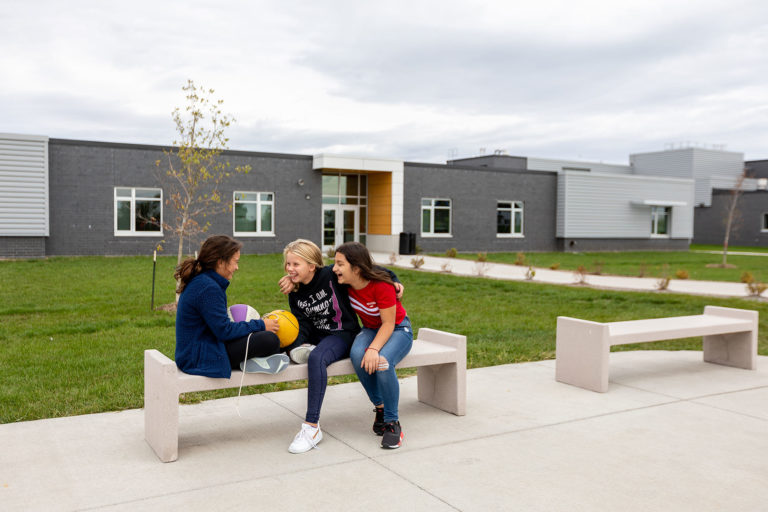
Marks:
<point>305,433</point>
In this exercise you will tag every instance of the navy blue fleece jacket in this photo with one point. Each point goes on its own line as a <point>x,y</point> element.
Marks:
<point>202,327</point>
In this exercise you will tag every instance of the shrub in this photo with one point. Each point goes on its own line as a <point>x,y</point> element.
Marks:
<point>643,269</point>
<point>520,259</point>
<point>681,274</point>
<point>554,266</point>
<point>417,262</point>
<point>446,267</point>
<point>597,268</point>
<point>581,275</point>
<point>452,252</point>
<point>663,282</point>
<point>754,288</point>
<point>530,273</point>
<point>482,257</point>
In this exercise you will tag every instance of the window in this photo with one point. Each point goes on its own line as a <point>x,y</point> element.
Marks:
<point>436,217</point>
<point>254,213</point>
<point>660,220</point>
<point>509,218</point>
<point>765,222</point>
<point>138,211</point>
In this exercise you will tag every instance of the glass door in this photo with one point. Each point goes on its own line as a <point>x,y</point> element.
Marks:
<point>339,225</point>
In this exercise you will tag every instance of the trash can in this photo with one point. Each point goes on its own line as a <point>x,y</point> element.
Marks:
<point>407,243</point>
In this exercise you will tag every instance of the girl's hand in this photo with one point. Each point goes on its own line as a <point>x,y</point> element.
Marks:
<point>271,324</point>
<point>285,284</point>
<point>399,289</point>
<point>370,361</point>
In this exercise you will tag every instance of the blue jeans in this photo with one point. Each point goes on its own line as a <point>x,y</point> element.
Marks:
<point>382,386</point>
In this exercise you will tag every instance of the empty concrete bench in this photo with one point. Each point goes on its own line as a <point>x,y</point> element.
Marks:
<point>441,359</point>
<point>730,338</point>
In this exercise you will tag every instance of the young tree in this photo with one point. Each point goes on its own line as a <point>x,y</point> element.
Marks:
<point>195,170</point>
<point>732,214</point>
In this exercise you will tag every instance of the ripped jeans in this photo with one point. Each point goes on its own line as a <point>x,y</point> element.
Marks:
<point>382,386</point>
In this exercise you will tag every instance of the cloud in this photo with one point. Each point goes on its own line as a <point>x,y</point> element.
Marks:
<point>422,81</point>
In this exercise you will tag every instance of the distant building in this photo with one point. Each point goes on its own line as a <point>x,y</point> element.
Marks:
<point>70,197</point>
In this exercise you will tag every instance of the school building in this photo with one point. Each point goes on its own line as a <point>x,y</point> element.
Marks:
<point>73,197</point>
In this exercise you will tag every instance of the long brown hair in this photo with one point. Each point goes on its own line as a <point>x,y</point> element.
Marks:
<point>358,257</point>
<point>216,248</point>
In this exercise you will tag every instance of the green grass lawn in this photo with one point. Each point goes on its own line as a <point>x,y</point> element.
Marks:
<point>73,330</point>
<point>642,263</point>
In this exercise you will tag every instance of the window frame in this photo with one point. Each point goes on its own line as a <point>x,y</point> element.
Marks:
<point>512,209</point>
<point>431,208</point>
<point>259,202</point>
<point>132,232</point>
<point>655,221</point>
<point>764,226</point>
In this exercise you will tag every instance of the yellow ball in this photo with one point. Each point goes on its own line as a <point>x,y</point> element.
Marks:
<point>289,326</point>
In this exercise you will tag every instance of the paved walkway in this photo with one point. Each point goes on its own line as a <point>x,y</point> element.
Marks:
<point>566,277</point>
<point>672,434</point>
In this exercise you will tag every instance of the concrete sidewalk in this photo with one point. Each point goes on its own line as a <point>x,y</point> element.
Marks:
<point>565,277</point>
<point>672,434</point>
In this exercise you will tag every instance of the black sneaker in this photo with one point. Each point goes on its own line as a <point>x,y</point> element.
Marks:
<point>393,435</point>
<point>378,422</point>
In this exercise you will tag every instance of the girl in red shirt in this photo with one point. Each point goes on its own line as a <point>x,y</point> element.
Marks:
<point>386,337</point>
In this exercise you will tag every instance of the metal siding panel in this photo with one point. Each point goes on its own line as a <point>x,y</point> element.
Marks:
<point>546,164</point>
<point>600,206</point>
<point>23,185</point>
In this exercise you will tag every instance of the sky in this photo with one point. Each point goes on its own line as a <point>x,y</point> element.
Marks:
<point>422,81</point>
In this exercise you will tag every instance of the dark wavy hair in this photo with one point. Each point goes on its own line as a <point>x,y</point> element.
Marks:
<point>358,257</point>
<point>216,248</point>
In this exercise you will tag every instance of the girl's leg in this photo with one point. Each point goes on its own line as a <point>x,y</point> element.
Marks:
<point>393,351</point>
<point>362,341</point>
<point>261,344</point>
<point>329,350</point>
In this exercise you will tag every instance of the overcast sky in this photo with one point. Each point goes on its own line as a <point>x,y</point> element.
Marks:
<point>414,80</point>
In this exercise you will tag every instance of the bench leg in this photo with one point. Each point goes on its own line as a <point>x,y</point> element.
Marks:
<point>444,386</point>
<point>161,405</point>
<point>582,351</point>
<point>737,349</point>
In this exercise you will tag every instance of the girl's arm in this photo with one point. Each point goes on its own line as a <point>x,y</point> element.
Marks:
<point>371,358</point>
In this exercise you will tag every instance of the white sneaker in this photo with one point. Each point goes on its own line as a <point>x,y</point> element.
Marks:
<point>306,439</point>
<point>300,354</point>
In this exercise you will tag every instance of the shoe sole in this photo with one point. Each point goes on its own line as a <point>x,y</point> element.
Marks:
<point>270,364</point>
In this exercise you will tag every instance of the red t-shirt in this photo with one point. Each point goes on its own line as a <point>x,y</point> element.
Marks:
<point>367,302</point>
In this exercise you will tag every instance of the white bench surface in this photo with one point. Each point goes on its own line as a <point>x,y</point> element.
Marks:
<point>656,329</point>
<point>422,353</point>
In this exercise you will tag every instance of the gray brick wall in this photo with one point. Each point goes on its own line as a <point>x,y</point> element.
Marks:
<point>83,176</point>
<point>621,244</point>
<point>709,223</point>
<point>474,193</point>
<point>22,247</point>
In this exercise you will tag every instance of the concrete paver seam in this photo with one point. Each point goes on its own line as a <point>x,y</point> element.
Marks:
<point>374,460</point>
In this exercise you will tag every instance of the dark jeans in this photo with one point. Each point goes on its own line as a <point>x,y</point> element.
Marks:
<point>261,344</point>
<point>330,349</point>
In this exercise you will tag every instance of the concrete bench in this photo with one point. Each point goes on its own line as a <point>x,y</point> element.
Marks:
<point>730,338</point>
<point>441,359</point>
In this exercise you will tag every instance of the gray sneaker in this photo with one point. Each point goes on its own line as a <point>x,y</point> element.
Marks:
<point>300,354</point>
<point>270,364</point>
